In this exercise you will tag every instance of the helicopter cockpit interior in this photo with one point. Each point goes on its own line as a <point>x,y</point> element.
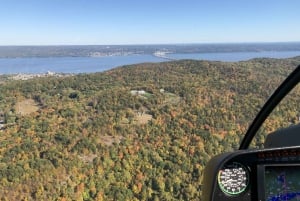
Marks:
<point>268,174</point>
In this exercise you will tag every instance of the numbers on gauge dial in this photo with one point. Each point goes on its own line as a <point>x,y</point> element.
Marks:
<point>233,178</point>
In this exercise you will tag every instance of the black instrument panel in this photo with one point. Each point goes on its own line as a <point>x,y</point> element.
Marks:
<point>268,174</point>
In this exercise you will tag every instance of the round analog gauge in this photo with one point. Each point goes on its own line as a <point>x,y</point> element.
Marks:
<point>233,178</point>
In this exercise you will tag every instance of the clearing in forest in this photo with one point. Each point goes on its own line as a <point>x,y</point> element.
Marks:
<point>109,140</point>
<point>26,107</point>
<point>143,118</point>
<point>171,98</point>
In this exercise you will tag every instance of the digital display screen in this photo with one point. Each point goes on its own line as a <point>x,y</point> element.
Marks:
<point>282,183</point>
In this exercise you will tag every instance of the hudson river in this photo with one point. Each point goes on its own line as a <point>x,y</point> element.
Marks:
<point>36,65</point>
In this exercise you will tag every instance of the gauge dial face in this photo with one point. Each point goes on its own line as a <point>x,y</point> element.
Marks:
<point>233,178</point>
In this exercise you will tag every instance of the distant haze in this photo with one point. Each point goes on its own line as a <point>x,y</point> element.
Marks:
<point>123,50</point>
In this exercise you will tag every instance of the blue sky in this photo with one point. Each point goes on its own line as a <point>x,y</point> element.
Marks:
<point>106,22</point>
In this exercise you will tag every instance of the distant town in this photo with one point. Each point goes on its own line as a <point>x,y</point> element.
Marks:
<point>25,76</point>
<point>123,50</point>
<point>30,76</point>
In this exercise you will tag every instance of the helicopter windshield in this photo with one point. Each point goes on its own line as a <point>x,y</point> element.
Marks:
<point>268,172</point>
<point>286,114</point>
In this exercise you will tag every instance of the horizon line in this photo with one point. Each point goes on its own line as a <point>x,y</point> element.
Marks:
<point>152,44</point>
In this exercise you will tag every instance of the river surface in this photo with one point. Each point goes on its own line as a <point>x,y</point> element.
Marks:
<point>37,65</point>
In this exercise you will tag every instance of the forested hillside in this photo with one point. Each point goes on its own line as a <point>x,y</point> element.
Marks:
<point>140,132</point>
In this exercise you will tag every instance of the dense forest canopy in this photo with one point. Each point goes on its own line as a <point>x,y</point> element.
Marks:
<point>139,132</point>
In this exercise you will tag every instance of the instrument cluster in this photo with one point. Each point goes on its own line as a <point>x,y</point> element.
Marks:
<point>266,175</point>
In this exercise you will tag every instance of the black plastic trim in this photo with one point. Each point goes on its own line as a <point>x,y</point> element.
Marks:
<point>287,85</point>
